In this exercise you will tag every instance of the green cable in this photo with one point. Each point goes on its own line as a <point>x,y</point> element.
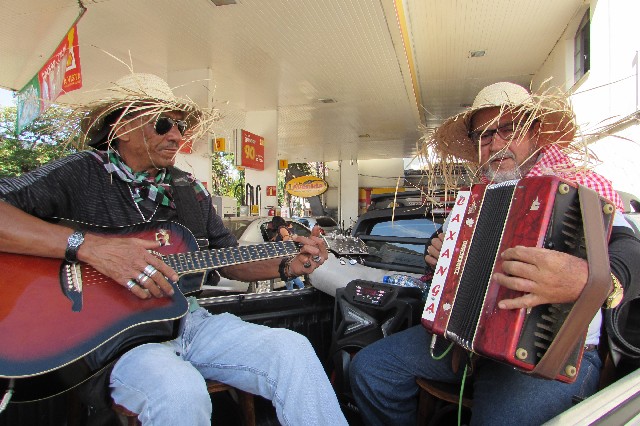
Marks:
<point>443,354</point>
<point>462,383</point>
<point>464,377</point>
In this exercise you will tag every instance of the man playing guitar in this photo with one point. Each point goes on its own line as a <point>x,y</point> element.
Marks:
<point>136,131</point>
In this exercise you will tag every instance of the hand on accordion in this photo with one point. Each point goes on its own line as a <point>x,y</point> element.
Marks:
<point>546,276</point>
<point>433,250</point>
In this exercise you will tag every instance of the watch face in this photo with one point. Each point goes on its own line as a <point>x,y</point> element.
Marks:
<point>75,239</point>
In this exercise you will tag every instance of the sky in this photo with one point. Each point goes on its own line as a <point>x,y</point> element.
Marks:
<point>6,98</point>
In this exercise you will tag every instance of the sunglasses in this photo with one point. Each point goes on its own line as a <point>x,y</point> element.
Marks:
<point>165,124</point>
<point>507,132</point>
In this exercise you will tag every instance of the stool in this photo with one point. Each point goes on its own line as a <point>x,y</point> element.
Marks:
<point>245,399</point>
<point>431,392</point>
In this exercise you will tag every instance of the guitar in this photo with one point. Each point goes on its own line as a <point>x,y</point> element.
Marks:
<point>62,323</point>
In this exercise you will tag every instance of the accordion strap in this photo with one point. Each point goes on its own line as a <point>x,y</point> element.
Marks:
<point>593,295</point>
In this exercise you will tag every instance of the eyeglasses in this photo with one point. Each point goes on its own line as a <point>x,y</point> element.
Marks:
<point>165,124</point>
<point>506,131</point>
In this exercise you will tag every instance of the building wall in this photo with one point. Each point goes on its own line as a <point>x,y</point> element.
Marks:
<point>609,92</point>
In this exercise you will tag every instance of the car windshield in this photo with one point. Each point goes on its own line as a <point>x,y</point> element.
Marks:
<point>416,228</point>
<point>326,221</point>
<point>236,227</point>
<point>392,242</point>
<point>300,230</point>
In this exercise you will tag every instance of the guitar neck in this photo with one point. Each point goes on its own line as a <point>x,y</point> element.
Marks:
<point>204,260</point>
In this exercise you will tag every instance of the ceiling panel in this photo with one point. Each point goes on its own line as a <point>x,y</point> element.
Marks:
<point>285,55</point>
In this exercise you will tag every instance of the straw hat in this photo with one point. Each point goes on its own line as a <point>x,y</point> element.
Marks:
<point>145,95</point>
<point>552,111</point>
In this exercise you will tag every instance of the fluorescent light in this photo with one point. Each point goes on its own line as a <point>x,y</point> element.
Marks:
<point>223,2</point>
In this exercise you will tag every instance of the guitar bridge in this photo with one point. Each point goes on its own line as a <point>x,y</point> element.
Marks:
<point>71,282</point>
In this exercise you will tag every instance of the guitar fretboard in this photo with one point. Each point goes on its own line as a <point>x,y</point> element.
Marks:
<point>199,261</point>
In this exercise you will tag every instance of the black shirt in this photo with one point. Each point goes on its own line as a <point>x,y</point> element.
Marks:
<point>79,188</point>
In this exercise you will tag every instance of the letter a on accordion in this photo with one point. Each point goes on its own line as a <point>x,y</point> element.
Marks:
<point>462,304</point>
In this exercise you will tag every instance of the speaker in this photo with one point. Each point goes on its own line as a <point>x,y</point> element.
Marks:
<point>366,311</point>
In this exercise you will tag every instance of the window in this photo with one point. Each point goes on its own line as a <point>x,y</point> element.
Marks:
<point>325,221</point>
<point>399,244</point>
<point>581,59</point>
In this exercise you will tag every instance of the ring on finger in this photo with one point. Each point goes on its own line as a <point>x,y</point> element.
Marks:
<point>141,277</point>
<point>307,264</point>
<point>130,284</point>
<point>149,270</point>
<point>316,259</point>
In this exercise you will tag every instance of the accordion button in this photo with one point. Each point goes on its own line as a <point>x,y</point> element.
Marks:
<point>570,370</point>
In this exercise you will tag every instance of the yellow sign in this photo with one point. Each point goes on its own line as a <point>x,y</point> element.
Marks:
<point>283,164</point>
<point>219,145</point>
<point>306,186</point>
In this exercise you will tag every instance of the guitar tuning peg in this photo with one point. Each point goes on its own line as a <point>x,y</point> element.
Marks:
<point>342,262</point>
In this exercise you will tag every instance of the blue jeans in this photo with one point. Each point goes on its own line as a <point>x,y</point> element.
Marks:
<point>383,381</point>
<point>296,281</point>
<point>165,382</point>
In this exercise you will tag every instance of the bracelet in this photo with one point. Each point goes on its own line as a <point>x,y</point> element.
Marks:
<point>287,269</point>
<point>283,268</point>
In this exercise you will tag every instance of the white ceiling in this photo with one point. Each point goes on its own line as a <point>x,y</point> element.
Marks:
<point>391,65</point>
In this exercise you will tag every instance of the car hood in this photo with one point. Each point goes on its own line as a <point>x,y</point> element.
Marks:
<point>333,275</point>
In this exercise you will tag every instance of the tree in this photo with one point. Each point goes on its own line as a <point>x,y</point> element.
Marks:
<point>226,178</point>
<point>47,138</point>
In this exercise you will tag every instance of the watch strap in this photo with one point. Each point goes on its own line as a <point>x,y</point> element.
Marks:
<point>74,242</point>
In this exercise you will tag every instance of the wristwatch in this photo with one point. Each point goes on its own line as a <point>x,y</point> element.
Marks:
<point>74,242</point>
<point>615,297</point>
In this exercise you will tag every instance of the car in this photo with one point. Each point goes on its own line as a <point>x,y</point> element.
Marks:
<point>254,229</point>
<point>393,241</point>
<point>390,200</point>
<point>250,230</point>
<point>327,223</point>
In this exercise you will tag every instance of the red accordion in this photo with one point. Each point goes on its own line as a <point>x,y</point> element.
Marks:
<point>462,304</point>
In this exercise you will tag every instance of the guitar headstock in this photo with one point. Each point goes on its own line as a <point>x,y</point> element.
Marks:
<point>345,245</point>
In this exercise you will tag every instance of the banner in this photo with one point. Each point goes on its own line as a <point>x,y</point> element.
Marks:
<point>60,74</point>
<point>27,104</point>
<point>306,186</point>
<point>249,149</point>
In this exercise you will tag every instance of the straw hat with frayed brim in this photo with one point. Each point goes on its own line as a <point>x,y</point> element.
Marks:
<point>551,110</point>
<point>139,95</point>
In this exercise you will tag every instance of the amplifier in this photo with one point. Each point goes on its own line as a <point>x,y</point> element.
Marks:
<point>366,311</point>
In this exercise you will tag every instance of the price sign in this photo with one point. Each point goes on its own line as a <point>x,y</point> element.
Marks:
<point>219,145</point>
<point>249,150</point>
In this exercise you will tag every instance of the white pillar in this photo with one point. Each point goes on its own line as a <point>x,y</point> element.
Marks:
<point>196,85</point>
<point>265,124</point>
<point>348,189</point>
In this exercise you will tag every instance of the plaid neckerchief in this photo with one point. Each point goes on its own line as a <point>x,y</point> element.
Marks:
<point>157,189</point>
<point>553,162</point>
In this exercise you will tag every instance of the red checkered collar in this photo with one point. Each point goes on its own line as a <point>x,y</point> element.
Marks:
<point>552,161</point>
